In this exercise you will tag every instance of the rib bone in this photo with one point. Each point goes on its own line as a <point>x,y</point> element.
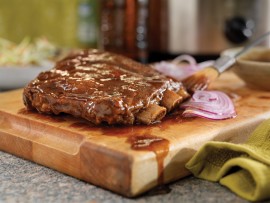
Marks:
<point>151,114</point>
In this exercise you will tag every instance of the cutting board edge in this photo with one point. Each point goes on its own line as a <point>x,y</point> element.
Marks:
<point>116,178</point>
<point>34,148</point>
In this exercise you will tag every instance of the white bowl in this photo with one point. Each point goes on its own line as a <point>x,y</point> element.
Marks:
<point>13,77</point>
<point>254,68</point>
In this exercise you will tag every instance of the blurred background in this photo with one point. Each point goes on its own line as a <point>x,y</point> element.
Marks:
<point>146,30</point>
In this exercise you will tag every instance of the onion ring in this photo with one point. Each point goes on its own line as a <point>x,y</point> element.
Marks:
<point>179,70</point>
<point>209,104</point>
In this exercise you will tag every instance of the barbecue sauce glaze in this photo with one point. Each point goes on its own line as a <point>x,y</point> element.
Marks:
<point>98,86</point>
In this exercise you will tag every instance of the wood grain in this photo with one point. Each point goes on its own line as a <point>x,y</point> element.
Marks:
<point>126,160</point>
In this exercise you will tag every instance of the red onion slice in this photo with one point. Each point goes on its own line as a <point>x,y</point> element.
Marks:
<point>182,58</point>
<point>209,104</point>
<point>179,70</point>
<point>176,71</point>
<point>205,114</point>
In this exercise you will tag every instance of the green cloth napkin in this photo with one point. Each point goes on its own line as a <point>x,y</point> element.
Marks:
<point>243,168</point>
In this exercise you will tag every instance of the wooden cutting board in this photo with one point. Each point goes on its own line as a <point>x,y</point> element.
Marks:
<point>126,160</point>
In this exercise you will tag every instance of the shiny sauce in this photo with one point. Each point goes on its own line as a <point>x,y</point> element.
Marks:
<point>108,86</point>
<point>160,146</point>
<point>264,97</point>
<point>44,117</point>
<point>139,137</point>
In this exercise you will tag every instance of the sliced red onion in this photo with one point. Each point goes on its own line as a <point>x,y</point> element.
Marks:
<point>191,61</point>
<point>178,70</point>
<point>209,104</point>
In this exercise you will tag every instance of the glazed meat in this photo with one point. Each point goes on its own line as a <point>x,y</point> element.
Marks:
<point>104,87</point>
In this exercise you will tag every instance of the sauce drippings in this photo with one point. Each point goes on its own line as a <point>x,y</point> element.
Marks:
<point>264,97</point>
<point>43,117</point>
<point>158,145</point>
<point>140,137</point>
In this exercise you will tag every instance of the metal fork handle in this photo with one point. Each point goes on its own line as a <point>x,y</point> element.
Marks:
<point>224,62</point>
<point>253,43</point>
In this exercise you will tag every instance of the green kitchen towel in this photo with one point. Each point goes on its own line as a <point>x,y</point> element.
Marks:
<point>243,168</point>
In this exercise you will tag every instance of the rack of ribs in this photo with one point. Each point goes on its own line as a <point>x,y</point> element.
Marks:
<point>103,87</point>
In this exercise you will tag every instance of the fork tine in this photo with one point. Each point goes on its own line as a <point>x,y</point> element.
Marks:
<point>200,80</point>
<point>193,83</point>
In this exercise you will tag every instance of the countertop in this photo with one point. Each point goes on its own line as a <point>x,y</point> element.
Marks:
<point>24,181</point>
